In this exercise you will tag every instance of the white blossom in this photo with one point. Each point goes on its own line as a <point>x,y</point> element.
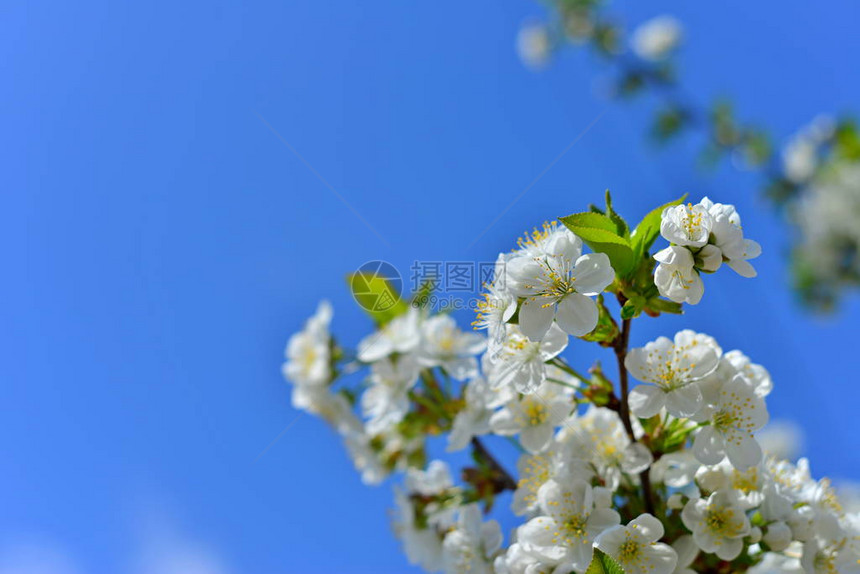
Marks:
<point>385,402</point>
<point>517,560</point>
<point>308,354</point>
<point>598,437</point>
<point>520,362</point>
<point>533,45</point>
<point>570,521</point>
<point>434,480</point>
<point>423,545</point>
<point>656,38</point>
<point>731,364</point>
<point>686,225</point>
<point>673,367</point>
<point>800,155</point>
<point>493,311</point>
<point>535,416</point>
<point>472,546</point>
<point>474,419</point>
<point>636,548</point>
<point>703,236</point>
<point>734,419</point>
<point>444,345</point>
<point>718,523</point>
<point>728,237</point>
<point>556,281</point>
<point>676,276</point>
<point>401,335</point>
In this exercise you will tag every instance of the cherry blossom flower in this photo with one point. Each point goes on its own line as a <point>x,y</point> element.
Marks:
<point>673,367</point>
<point>718,523</point>
<point>474,419</point>
<point>655,39</point>
<point>636,548</point>
<point>385,401</point>
<point>472,545</point>
<point>734,419</point>
<point>570,521</point>
<point>308,355</point>
<point>676,276</point>
<point>534,417</point>
<point>402,335</point>
<point>444,345</point>
<point>556,281</point>
<point>520,362</point>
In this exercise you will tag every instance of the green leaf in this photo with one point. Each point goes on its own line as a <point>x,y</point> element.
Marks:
<point>602,563</point>
<point>648,229</point>
<point>620,225</point>
<point>668,123</point>
<point>600,233</point>
<point>847,141</point>
<point>377,297</point>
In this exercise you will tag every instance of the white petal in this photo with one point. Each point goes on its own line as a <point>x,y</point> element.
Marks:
<point>708,446</point>
<point>536,317</point>
<point>553,343</point>
<point>602,519</point>
<point>664,556</point>
<point>462,368</point>
<point>504,422</point>
<point>535,439</point>
<point>646,401</point>
<point>684,401</point>
<point>649,527</point>
<point>745,453</point>
<point>523,275</point>
<point>742,267</point>
<point>538,534</point>
<point>730,548</point>
<point>577,314</point>
<point>592,273</point>
<point>374,347</point>
<point>695,289</point>
<point>751,249</point>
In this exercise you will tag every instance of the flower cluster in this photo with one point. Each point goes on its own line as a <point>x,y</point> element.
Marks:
<point>814,179</point>
<point>702,237</point>
<point>667,477</point>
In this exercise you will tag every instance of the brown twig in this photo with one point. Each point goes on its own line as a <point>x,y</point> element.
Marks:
<point>505,481</point>
<point>621,344</point>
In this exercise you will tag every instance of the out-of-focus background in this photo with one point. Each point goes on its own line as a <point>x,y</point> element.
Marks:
<point>162,238</point>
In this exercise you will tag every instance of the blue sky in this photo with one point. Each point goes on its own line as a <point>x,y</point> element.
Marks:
<point>160,244</point>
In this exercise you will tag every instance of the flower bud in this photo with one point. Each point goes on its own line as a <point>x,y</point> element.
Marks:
<point>778,536</point>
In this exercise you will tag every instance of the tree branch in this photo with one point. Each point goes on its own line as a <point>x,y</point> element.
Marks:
<point>505,480</point>
<point>620,347</point>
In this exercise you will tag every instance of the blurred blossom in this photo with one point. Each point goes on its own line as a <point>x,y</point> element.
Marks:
<point>782,439</point>
<point>533,45</point>
<point>827,216</point>
<point>800,155</point>
<point>657,38</point>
